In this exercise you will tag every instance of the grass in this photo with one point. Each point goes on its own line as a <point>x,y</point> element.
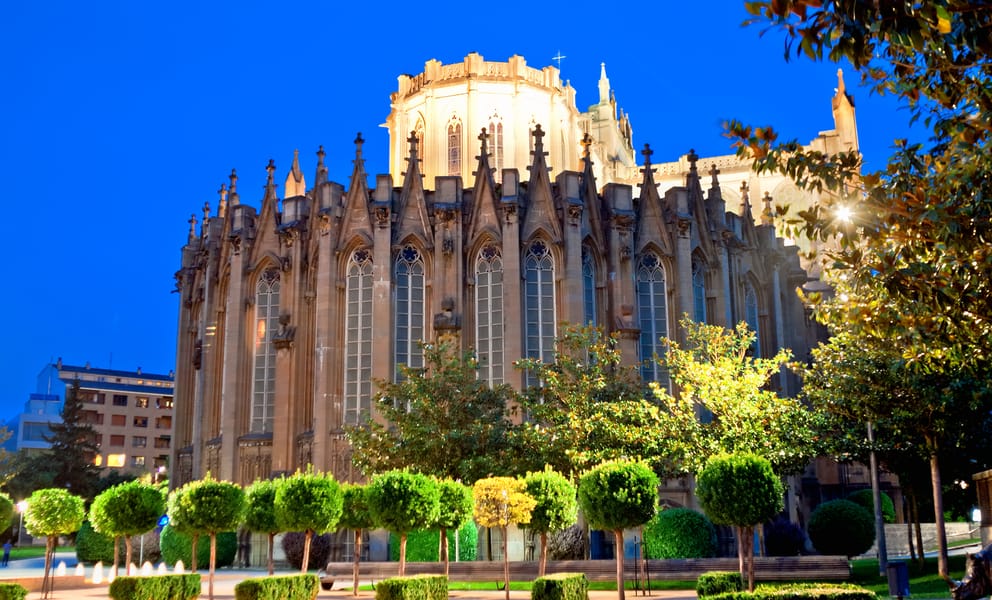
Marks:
<point>923,583</point>
<point>19,552</point>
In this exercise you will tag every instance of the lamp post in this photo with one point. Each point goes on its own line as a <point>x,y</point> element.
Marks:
<point>22,506</point>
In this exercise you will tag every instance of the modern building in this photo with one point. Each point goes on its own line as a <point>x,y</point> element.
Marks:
<point>507,212</point>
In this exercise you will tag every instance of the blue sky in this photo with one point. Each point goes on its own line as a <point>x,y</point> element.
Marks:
<point>121,118</point>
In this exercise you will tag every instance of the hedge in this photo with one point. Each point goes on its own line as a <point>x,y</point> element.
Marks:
<point>422,545</point>
<point>92,546</point>
<point>159,587</point>
<point>179,546</point>
<point>417,587</point>
<point>561,586</point>
<point>841,527</point>
<point>679,533</point>
<point>801,591</point>
<point>12,591</point>
<point>719,582</point>
<point>290,587</point>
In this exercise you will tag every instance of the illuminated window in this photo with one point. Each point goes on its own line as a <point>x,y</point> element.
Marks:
<point>141,402</point>
<point>266,325</point>
<point>164,402</point>
<point>588,288</point>
<point>115,460</point>
<point>496,145</point>
<point>454,148</point>
<point>698,291</point>
<point>419,132</point>
<point>751,317</point>
<point>139,441</point>
<point>137,461</point>
<point>652,309</point>
<point>409,309</point>
<point>489,314</point>
<point>539,301</point>
<point>118,420</point>
<point>358,338</point>
<point>141,421</point>
<point>98,460</point>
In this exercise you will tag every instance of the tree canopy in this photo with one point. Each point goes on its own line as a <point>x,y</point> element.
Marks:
<point>260,513</point>
<point>126,510</point>
<point>556,506</point>
<point>402,501</point>
<point>73,450</point>
<point>308,502</point>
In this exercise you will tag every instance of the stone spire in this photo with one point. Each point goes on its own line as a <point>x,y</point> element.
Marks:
<point>295,184</point>
<point>321,167</point>
<point>715,193</point>
<point>222,204</point>
<point>192,229</point>
<point>604,85</point>
<point>767,216</point>
<point>233,194</point>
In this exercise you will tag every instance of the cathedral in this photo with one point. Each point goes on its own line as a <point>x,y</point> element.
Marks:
<point>507,212</point>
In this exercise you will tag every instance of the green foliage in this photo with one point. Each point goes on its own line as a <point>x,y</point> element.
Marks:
<point>422,544</point>
<point>679,533</point>
<point>556,507</point>
<point>308,501</point>
<point>53,512</point>
<point>441,420</point>
<point>417,587</point>
<point>214,506</point>
<point>6,508</point>
<point>801,591</point>
<point>176,545</point>
<point>355,512</point>
<point>865,499</point>
<point>128,509</point>
<point>160,587</point>
<point>260,508</point>
<point>93,546</point>
<point>718,582</point>
<point>289,587</point>
<point>561,586</point>
<point>619,495</point>
<point>841,527</point>
<point>71,456</point>
<point>12,591</point>
<point>740,490</point>
<point>178,508</point>
<point>401,501</point>
<point>454,504</point>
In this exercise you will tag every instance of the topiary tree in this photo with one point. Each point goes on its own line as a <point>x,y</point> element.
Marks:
<point>125,510</point>
<point>214,506</point>
<point>178,510</point>
<point>556,507</point>
<point>260,512</point>
<point>422,545</point>
<point>679,533</point>
<point>176,546</point>
<point>841,527</point>
<point>401,501</point>
<point>454,510</point>
<point>356,515</point>
<point>501,502</point>
<point>740,490</point>
<point>309,502</point>
<point>864,499</point>
<point>616,496</point>
<point>92,546</point>
<point>52,512</point>
<point>784,538</point>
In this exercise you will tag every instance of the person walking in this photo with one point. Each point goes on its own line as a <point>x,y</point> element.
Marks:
<point>6,552</point>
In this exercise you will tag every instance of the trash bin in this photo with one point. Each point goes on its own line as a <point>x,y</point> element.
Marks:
<point>898,575</point>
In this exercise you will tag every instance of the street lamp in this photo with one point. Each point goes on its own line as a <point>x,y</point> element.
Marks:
<point>22,506</point>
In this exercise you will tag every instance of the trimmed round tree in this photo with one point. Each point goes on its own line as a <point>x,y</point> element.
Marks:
<point>455,508</point>
<point>619,495</point>
<point>501,502</point>
<point>556,508</point>
<point>260,512</point>
<point>126,510</point>
<point>742,491</point>
<point>309,502</point>
<point>679,533</point>
<point>214,507</point>
<point>177,506</point>
<point>356,515</point>
<point>6,508</point>
<point>841,527</point>
<point>401,501</point>
<point>865,498</point>
<point>52,512</point>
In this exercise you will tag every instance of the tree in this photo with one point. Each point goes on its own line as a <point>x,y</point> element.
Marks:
<point>309,502</point>
<point>402,501</point>
<point>841,527</point>
<point>742,491</point>
<point>73,448</point>
<point>214,507</point>
<point>556,507</point>
<point>127,510</point>
<point>616,496</point>
<point>178,507</point>
<point>454,510</point>
<point>50,513</point>
<point>260,513</point>
<point>501,502</point>
<point>441,420</point>
<point>356,515</point>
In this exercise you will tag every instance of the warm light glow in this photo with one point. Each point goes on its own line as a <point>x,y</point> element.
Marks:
<point>260,332</point>
<point>98,460</point>
<point>844,213</point>
<point>115,460</point>
<point>22,506</point>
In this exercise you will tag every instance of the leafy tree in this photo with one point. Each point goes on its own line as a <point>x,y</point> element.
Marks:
<point>556,507</point>
<point>93,546</point>
<point>742,491</point>
<point>441,420</point>
<point>841,527</point>
<point>454,510</point>
<point>401,501</point>
<point>864,499</point>
<point>178,507</point>
<point>214,507</point>
<point>73,448</point>
<point>308,502</point>
<point>679,533</point>
<point>176,545</point>
<point>127,510</point>
<point>356,515</point>
<point>50,513</point>
<point>6,508</point>
<point>260,512</point>
<point>501,502</point>
<point>27,472</point>
<point>715,372</point>
<point>616,496</point>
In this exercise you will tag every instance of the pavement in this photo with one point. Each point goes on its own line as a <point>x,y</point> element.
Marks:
<point>226,579</point>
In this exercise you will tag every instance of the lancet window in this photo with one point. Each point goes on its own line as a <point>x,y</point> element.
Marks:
<point>698,291</point>
<point>489,314</point>
<point>588,288</point>
<point>539,300</point>
<point>652,306</point>
<point>454,147</point>
<point>496,145</point>
<point>263,390</point>
<point>751,317</point>
<point>409,309</point>
<point>358,338</point>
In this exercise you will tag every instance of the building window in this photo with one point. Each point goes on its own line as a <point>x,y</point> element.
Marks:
<point>163,423</point>
<point>141,421</point>
<point>751,317</point>
<point>141,402</point>
<point>454,147</point>
<point>496,145</point>
<point>115,460</point>
<point>165,402</point>
<point>358,338</point>
<point>137,461</point>
<point>117,441</point>
<point>163,441</point>
<point>409,307</point>
<point>266,325</point>
<point>120,400</point>
<point>118,420</point>
<point>100,398</point>
<point>35,432</point>
<point>419,132</point>
<point>698,291</point>
<point>588,288</point>
<point>652,309</point>
<point>539,301</point>
<point>489,314</point>
<point>139,441</point>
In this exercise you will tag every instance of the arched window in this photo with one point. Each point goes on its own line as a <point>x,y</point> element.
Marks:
<point>698,291</point>
<point>489,314</point>
<point>418,131</point>
<point>496,145</point>
<point>539,300</point>
<point>454,147</point>
<point>588,288</point>
<point>652,309</point>
<point>409,307</point>
<point>358,338</point>
<point>751,317</point>
<point>263,391</point>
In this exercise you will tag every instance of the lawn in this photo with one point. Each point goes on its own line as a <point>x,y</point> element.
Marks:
<point>923,583</point>
<point>19,552</point>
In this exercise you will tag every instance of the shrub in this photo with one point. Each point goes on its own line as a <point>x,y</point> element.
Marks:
<point>841,527</point>
<point>320,549</point>
<point>567,544</point>
<point>422,545</point>
<point>291,587</point>
<point>417,587</point>
<point>561,586</point>
<point>783,538</point>
<point>719,582</point>
<point>160,587</point>
<point>92,546</point>
<point>179,546</point>
<point>802,591</point>
<point>679,533</point>
<point>12,591</point>
<point>864,498</point>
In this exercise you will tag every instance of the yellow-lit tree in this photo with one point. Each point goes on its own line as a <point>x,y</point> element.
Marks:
<point>500,502</point>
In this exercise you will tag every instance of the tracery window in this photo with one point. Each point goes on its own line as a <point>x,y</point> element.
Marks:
<point>751,317</point>
<point>454,147</point>
<point>539,301</point>
<point>698,291</point>
<point>409,309</point>
<point>418,132</point>
<point>588,288</point>
<point>358,338</point>
<point>263,390</point>
<point>489,314</point>
<point>496,145</point>
<point>652,306</point>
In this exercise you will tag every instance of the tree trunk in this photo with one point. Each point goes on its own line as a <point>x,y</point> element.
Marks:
<point>618,553</point>
<point>740,551</point>
<point>127,555</point>
<point>938,511</point>
<point>907,512</point>
<point>46,581</point>
<point>306,551</point>
<point>213,562</point>
<point>356,558</point>
<point>542,565</point>
<point>444,549</point>
<point>921,558</point>
<point>402,554</point>
<point>272,543</point>
<point>196,539</point>
<point>506,562</point>
<point>749,545</point>
<point>117,553</point>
